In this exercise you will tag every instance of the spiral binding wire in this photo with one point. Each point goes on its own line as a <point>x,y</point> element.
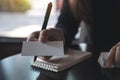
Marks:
<point>45,65</point>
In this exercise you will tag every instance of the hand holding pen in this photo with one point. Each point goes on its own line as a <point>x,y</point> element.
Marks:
<point>45,35</point>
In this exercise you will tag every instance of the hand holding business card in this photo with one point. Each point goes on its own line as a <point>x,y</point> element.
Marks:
<point>35,48</point>
<point>103,59</point>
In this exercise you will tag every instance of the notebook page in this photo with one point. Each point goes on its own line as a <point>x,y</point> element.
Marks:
<point>58,63</point>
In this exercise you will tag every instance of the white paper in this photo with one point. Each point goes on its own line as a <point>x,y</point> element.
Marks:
<point>35,48</point>
<point>102,58</point>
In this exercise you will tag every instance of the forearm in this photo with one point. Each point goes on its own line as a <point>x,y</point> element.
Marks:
<point>67,23</point>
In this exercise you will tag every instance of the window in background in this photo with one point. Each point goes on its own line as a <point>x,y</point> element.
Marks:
<point>18,18</point>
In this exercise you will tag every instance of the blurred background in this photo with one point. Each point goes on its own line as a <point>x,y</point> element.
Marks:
<point>18,18</point>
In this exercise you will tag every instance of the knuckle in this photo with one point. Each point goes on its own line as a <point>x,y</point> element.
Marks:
<point>35,33</point>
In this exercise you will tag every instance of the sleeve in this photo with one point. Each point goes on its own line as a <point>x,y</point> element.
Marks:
<point>67,23</point>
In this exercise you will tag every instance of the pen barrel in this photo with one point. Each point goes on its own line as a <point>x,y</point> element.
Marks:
<point>47,16</point>
<point>49,7</point>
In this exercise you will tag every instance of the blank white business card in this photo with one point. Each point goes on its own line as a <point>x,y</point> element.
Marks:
<point>35,48</point>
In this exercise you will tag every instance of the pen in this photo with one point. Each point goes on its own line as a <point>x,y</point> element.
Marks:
<point>49,7</point>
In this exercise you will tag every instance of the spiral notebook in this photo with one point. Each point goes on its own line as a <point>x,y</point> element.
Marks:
<point>59,63</point>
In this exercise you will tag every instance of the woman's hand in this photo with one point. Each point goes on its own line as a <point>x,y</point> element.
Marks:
<point>43,36</point>
<point>114,56</point>
<point>50,34</point>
